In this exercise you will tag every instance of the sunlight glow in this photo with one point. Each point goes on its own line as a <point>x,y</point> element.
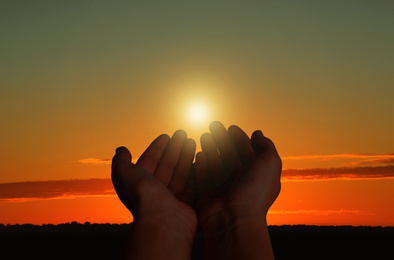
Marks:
<point>197,113</point>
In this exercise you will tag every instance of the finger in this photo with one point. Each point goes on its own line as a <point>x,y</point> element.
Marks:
<point>122,154</point>
<point>120,161</point>
<point>215,164</point>
<point>228,154</point>
<point>262,145</point>
<point>265,151</point>
<point>169,160</point>
<point>181,175</point>
<point>151,157</point>
<point>241,143</point>
<point>120,175</point>
<point>201,178</point>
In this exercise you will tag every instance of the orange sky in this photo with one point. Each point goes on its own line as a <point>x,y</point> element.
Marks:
<point>78,79</point>
<point>346,195</point>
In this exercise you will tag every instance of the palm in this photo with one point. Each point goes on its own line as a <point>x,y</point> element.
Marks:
<point>244,177</point>
<point>156,184</point>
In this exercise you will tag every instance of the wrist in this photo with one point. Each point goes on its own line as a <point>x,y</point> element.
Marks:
<point>231,218</point>
<point>240,237</point>
<point>168,222</point>
<point>167,238</point>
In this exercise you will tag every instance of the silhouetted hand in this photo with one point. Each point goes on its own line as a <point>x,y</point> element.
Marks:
<point>237,180</point>
<point>153,190</point>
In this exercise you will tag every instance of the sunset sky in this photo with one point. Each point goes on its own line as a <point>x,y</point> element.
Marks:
<point>80,78</point>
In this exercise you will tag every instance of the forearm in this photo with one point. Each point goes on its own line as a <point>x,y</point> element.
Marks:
<point>239,239</point>
<point>151,239</point>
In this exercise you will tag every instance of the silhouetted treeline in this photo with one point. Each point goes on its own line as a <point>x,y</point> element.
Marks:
<point>332,242</point>
<point>64,241</point>
<point>106,241</point>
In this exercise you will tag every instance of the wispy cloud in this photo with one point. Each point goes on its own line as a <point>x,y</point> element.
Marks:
<point>318,212</point>
<point>350,158</point>
<point>356,159</point>
<point>367,172</point>
<point>95,161</point>
<point>20,191</point>
<point>339,156</point>
<point>374,161</point>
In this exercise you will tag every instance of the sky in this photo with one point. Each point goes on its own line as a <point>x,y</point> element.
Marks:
<point>80,78</point>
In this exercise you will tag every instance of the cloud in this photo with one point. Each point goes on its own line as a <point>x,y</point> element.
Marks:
<point>339,156</point>
<point>360,159</point>
<point>367,172</point>
<point>352,158</point>
<point>20,191</point>
<point>374,161</point>
<point>95,161</point>
<point>317,212</point>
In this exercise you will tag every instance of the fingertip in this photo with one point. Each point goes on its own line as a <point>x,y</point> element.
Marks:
<point>162,139</point>
<point>205,136</point>
<point>237,135</point>
<point>257,134</point>
<point>120,148</point>
<point>215,125</point>
<point>162,136</point>
<point>262,144</point>
<point>233,128</point>
<point>122,154</point>
<point>258,137</point>
<point>236,131</point>
<point>180,133</point>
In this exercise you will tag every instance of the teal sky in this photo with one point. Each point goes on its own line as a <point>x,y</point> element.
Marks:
<point>78,78</point>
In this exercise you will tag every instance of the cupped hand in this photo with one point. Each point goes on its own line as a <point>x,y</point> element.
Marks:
<point>155,187</point>
<point>236,177</point>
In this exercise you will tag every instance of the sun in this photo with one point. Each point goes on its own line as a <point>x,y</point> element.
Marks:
<point>197,112</point>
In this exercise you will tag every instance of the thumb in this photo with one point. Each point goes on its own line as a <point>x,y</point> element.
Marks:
<point>122,155</point>
<point>122,180</point>
<point>261,144</point>
<point>257,141</point>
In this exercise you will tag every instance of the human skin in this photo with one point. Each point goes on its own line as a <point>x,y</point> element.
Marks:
<point>237,181</point>
<point>154,190</point>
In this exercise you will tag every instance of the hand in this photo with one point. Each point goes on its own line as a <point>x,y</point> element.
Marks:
<point>237,180</point>
<point>154,190</point>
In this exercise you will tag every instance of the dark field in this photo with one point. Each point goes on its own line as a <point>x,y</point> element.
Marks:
<point>105,241</point>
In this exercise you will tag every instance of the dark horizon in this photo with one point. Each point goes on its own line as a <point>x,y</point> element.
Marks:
<point>105,241</point>
<point>121,224</point>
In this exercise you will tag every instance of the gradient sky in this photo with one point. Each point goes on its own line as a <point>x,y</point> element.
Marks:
<point>79,78</point>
